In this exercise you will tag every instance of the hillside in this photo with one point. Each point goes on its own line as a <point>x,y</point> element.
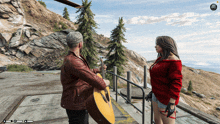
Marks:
<point>32,41</point>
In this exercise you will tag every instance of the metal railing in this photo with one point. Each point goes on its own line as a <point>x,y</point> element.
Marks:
<point>128,100</point>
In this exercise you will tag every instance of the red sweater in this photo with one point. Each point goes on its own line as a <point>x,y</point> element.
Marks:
<point>166,80</point>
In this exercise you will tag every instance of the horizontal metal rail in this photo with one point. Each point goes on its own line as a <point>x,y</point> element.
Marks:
<point>143,105</point>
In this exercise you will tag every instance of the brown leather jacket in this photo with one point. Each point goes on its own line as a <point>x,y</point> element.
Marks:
<point>78,81</point>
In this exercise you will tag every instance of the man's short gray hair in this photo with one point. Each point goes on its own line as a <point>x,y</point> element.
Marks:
<point>73,39</point>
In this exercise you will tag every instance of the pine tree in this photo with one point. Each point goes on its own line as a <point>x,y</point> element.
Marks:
<point>66,14</point>
<point>190,86</point>
<point>86,27</point>
<point>117,58</point>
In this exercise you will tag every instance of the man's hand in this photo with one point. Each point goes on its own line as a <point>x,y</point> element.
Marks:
<point>107,82</point>
<point>104,66</point>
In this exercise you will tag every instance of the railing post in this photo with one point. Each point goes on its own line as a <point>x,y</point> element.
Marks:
<point>128,86</point>
<point>114,77</point>
<point>151,117</point>
<point>103,71</point>
<point>145,76</point>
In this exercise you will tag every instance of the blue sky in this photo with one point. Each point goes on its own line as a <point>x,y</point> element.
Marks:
<point>191,23</point>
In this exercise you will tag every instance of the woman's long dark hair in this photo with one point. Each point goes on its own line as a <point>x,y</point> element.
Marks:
<point>168,46</point>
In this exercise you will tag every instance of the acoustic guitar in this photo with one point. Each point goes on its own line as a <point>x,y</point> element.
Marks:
<point>99,106</point>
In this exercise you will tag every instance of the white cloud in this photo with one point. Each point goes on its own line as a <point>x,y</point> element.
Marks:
<point>172,19</point>
<point>128,29</point>
<point>202,63</point>
<point>181,37</point>
<point>208,23</point>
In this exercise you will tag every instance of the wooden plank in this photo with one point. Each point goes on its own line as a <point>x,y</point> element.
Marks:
<point>69,3</point>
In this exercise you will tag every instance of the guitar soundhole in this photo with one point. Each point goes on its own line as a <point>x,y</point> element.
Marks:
<point>107,96</point>
<point>104,98</point>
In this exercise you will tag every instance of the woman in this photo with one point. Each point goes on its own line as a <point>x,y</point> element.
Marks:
<point>166,80</point>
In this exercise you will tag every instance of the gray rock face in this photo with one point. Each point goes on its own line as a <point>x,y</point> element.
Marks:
<point>99,45</point>
<point>195,71</point>
<point>19,54</point>
<point>15,3</point>
<point>67,31</point>
<point>5,1</point>
<point>184,89</point>
<point>136,56</point>
<point>200,95</point>
<point>13,52</point>
<point>7,36</point>
<point>15,41</point>
<point>50,42</point>
<point>212,98</point>
<point>194,92</point>
<point>4,9</point>
<point>2,41</point>
<point>27,33</point>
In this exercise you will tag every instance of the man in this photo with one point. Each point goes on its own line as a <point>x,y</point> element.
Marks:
<point>78,81</point>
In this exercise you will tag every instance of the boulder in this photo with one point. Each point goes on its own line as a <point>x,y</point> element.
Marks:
<point>194,92</point>
<point>50,41</point>
<point>195,71</point>
<point>33,37</point>
<point>184,90</point>
<point>200,95</point>
<point>15,3</point>
<point>2,41</point>
<point>15,41</point>
<point>212,98</point>
<point>33,29</point>
<point>4,9</point>
<point>5,1</point>
<point>27,33</point>
<point>67,31</point>
<point>6,36</point>
<point>20,11</point>
<point>133,55</point>
<point>2,49</point>
<point>13,51</point>
<point>27,25</point>
<point>28,50</point>
<point>218,108</point>
<point>19,54</point>
<point>5,16</point>
<point>97,44</point>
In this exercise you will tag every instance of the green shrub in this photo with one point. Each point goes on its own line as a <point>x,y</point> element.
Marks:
<point>183,91</point>
<point>64,26</point>
<point>189,93</point>
<point>18,68</point>
<point>42,3</point>
<point>190,86</point>
<point>56,27</point>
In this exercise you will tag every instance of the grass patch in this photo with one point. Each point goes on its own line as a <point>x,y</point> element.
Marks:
<point>57,28</point>
<point>207,103</point>
<point>18,68</point>
<point>42,3</point>
<point>183,91</point>
<point>189,93</point>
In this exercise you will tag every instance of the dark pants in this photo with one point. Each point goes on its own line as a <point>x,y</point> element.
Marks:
<point>78,116</point>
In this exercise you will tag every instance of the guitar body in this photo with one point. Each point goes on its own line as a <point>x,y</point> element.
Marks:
<point>99,106</point>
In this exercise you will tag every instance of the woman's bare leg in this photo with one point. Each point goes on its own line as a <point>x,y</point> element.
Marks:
<point>165,119</point>
<point>157,115</point>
